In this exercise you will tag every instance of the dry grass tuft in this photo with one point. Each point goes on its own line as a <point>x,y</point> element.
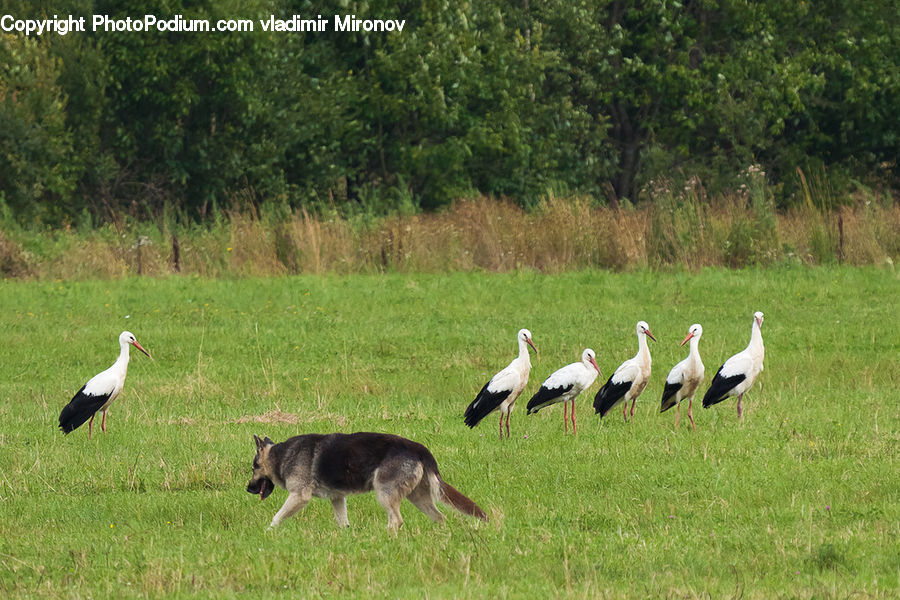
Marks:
<point>272,416</point>
<point>93,258</point>
<point>13,260</point>
<point>319,246</point>
<point>279,416</point>
<point>683,228</point>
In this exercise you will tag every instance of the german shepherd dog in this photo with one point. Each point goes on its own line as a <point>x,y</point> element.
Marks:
<point>336,465</point>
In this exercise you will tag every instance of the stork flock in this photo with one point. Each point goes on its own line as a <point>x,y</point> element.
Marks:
<point>626,384</point>
<point>628,381</point>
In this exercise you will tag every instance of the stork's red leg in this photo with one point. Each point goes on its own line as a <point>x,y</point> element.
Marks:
<point>632,406</point>
<point>103,423</point>
<point>677,414</point>
<point>565,417</point>
<point>691,412</point>
<point>507,425</point>
<point>501,424</point>
<point>625,411</point>
<point>740,408</point>
<point>91,426</point>
<point>574,431</point>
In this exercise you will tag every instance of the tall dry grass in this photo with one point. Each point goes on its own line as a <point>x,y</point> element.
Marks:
<point>684,230</point>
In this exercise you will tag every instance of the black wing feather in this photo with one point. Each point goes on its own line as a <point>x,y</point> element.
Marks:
<point>484,404</point>
<point>721,387</point>
<point>81,408</point>
<point>668,398</point>
<point>610,395</point>
<point>545,397</point>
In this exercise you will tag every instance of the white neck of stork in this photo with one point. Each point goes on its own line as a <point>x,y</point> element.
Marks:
<point>643,330</point>
<point>755,347</point>
<point>523,351</point>
<point>124,354</point>
<point>525,341</point>
<point>756,340</point>
<point>695,344</point>
<point>694,334</point>
<point>643,347</point>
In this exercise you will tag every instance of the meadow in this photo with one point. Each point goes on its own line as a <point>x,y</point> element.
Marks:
<point>801,500</point>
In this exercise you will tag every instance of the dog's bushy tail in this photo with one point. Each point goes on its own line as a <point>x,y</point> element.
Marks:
<point>452,496</point>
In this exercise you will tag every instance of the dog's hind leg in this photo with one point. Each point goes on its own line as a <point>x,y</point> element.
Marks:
<point>393,481</point>
<point>340,511</point>
<point>423,496</point>
<point>293,503</point>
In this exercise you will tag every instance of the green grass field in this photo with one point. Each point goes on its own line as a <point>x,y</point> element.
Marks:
<point>802,500</point>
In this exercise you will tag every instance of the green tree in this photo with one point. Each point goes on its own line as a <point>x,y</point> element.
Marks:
<point>38,168</point>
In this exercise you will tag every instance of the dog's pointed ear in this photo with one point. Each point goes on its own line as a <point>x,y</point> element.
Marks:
<point>268,442</point>
<point>259,442</point>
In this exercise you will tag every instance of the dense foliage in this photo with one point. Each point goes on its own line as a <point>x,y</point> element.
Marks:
<point>606,98</point>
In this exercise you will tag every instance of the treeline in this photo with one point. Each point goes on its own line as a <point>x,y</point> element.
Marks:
<point>603,98</point>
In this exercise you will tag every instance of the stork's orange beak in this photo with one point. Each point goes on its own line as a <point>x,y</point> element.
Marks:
<point>650,335</point>
<point>137,345</point>
<point>530,343</point>
<point>594,362</point>
<point>686,338</point>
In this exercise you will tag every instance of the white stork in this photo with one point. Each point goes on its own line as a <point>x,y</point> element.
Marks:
<point>630,378</point>
<point>565,385</point>
<point>99,392</point>
<point>740,371</point>
<point>685,377</point>
<point>503,388</point>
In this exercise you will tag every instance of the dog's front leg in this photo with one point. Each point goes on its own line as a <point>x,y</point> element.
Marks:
<point>340,511</point>
<point>293,503</point>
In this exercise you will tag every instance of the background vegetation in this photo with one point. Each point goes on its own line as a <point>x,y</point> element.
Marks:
<point>680,231</point>
<point>523,100</point>
<point>799,502</point>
